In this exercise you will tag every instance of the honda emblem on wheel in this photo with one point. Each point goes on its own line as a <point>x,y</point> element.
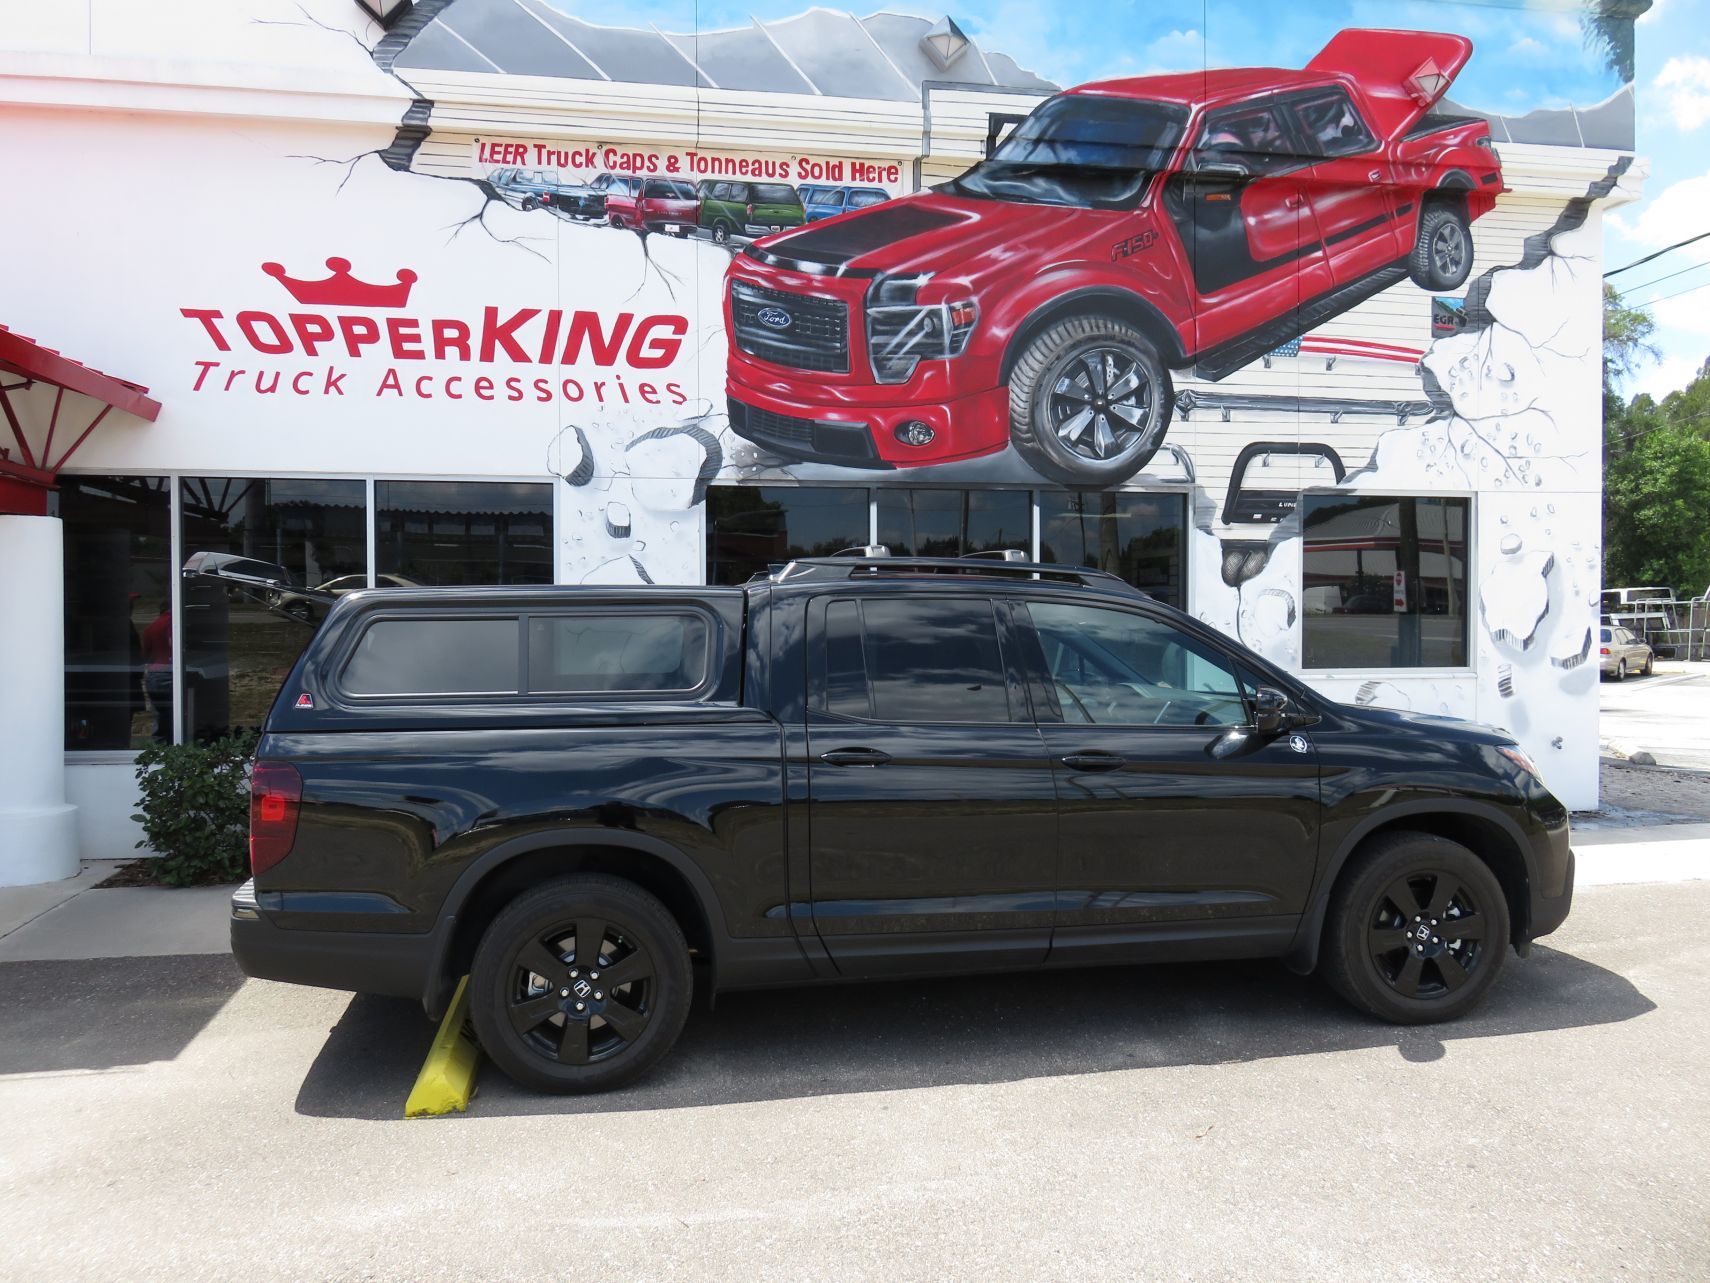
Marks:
<point>583,988</point>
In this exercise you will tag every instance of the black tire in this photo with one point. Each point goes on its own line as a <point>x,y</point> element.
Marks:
<point>529,203</point>
<point>1442,255</point>
<point>1071,363</point>
<point>1650,663</point>
<point>1386,931</point>
<point>1620,670</point>
<point>721,232</point>
<point>534,1033</point>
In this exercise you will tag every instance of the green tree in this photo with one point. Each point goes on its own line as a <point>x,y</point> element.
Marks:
<point>1626,339</point>
<point>1656,518</point>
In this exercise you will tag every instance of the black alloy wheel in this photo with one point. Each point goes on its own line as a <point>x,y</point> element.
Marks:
<point>1089,401</point>
<point>1426,935</point>
<point>1418,929</point>
<point>580,984</point>
<point>1442,255</point>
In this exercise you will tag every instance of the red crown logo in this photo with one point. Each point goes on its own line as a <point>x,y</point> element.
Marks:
<point>341,289</point>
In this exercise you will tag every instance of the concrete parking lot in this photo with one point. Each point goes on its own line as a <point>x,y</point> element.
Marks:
<point>1666,715</point>
<point>164,1118</point>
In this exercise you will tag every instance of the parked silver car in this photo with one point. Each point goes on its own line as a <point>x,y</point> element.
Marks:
<point>1621,651</point>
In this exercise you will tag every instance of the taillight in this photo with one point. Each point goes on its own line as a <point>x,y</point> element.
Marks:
<point>1603,650</point>
<point>275,794</point>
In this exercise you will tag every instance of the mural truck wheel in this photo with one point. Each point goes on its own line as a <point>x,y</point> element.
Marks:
<point>1442,254</point>
<point>1089,401</point>
<point>530,202</point>
<point>721,233</point>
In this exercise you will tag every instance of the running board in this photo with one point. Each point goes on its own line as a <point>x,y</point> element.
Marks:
<point>1219,363</point>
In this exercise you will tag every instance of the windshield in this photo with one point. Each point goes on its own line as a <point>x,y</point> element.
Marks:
<point>774,194</point>
<point>1082,150</point>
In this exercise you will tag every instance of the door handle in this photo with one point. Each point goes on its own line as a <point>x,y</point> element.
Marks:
<point>1095,760</point>
<point>1293,202</point>
<point>855,757</point>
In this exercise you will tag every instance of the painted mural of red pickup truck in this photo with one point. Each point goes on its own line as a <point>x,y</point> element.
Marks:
<point>1125,229</point>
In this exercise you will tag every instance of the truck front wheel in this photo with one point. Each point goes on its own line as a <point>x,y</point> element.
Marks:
<point>1089,401</point>
<point>580,984</point>
<point>1442,252</point>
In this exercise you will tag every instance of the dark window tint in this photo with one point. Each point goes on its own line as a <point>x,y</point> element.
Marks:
<point>934,660</point>
<point>435,657</point>
<point>860,200</point>
<point>846,692</point>
<point>774,194</point>
<point>239,645</point>
<point>752,527</point>
<point>585,654</point>
<point>463,532</point>
<point>1254,136</point>
<point>950,523</point>
<point>1385,582</point>
<point>1331,125</point>
<point>1120,668</point>
<point>118,610</point>
<point>1140,538</point>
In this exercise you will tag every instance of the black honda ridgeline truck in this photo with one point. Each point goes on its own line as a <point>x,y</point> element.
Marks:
<point>856,767</point>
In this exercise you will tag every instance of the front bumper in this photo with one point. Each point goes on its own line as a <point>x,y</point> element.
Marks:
<point>855,433</point>
<point>1549,912</point>
<point>395,964</point>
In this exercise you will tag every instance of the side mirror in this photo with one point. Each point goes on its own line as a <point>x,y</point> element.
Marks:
<point>1225,170</point>
<point>1270,710</point>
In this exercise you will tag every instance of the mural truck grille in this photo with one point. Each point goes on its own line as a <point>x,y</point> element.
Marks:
<point>815,335</point>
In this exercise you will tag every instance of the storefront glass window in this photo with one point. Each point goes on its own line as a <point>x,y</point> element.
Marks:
<point>462,532</point>
<point>239,645</point>
<point>118,610</point>
<point>1139,537</point>
<point>752,527</point>
<point>952,523</point>
<point>1385,582</point>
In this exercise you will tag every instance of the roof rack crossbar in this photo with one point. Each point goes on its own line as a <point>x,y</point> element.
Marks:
<point>849,567</point>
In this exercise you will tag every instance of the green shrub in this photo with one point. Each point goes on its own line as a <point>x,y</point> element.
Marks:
<point>195,809</point>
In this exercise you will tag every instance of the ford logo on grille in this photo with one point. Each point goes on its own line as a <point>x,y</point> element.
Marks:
<point>775,317</point>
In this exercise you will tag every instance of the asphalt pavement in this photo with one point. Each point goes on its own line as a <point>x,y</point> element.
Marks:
<point>163,1118</point>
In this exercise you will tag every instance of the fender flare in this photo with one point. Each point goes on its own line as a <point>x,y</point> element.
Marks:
<point>1170,347</point>
<point>437,989</point>
<point>1456,180</point>
<point>1302,956</point>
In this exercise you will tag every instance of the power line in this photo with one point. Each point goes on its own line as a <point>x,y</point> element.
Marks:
<point>1648,257</point>
<point>1658,280</point>
<point>1690,289</point>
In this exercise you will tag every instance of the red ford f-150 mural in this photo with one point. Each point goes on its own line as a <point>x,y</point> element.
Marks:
<point>1125,229</point>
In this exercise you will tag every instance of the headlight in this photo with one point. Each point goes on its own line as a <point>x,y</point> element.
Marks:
<point>902,332</point>
<point>1514,753</point>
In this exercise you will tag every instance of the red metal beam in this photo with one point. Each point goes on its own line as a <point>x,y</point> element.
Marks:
<point>17,428</point>
<point>21,356</point>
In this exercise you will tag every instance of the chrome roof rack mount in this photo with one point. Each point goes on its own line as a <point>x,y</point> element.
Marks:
<point>995,554</point>
<point>996,565</point>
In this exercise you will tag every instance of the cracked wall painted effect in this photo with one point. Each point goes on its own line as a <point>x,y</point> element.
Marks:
<point>1522,434</point>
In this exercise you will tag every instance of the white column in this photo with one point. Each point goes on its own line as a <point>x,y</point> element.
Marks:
<point>38,829</point>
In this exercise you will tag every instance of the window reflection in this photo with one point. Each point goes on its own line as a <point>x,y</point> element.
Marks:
<point>1138,537</point>
<point>953,523</point>
<point>238,645</point>
<point>463,532</point>
<point>1384,582</point>
<point>752,527</point>
<point>118,610</point>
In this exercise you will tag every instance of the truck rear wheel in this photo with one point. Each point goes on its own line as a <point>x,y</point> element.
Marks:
<point>1089,401</point>
<point>580,984</point>
<point>1443,250</point>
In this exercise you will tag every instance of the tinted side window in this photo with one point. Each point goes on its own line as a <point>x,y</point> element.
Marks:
<point>1254,135</point>
<point>928,660</point>
<point>1333,126</point>
<point>587,654</point>
<point>1114,667</point>
<point>429,656</point>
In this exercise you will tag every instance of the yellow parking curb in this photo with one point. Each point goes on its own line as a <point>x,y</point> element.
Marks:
<point>447,1079</point>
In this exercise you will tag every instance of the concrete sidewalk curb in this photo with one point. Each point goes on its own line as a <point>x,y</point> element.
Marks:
<point>124,922</point>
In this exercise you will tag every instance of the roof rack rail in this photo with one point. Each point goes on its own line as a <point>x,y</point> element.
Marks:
<point>852,567</point>
<point>866,551</point>
<point>995,554</point>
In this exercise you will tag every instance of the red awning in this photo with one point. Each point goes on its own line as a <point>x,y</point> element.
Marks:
<point>26,475</point>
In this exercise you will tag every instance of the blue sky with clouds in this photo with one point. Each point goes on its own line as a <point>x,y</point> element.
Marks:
<point>1673,80</point>
<point>1527,54</point>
